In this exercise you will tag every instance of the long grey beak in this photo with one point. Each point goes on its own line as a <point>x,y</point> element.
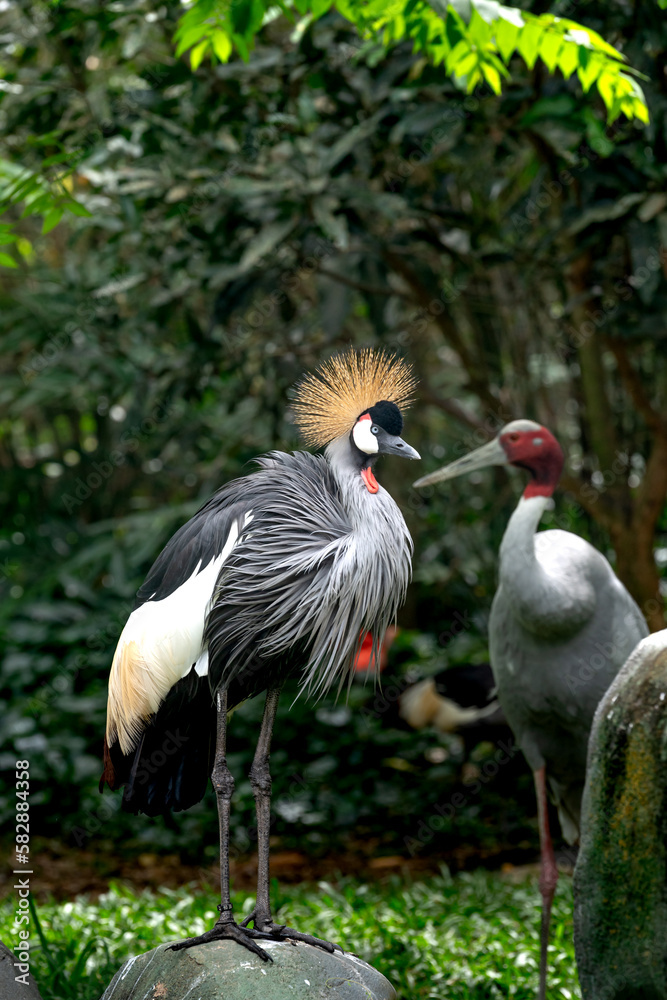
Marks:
<point>394,445</point>
<point>489,454</point>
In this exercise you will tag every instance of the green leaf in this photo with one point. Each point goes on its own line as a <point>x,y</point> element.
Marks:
<point>320,7</point>
<point>456,54</point>
<point>506,38</point>
<point>589,70</point>
<point>51,161</point>
<point>222,45</point>
<point>640,111</point>
<point>246,17</point>
<point>455,30</point>
<point>6,260</point>
<point>529,43</point>
<point>51,219</point>
<point>550,50</point>
<point>479,31</point>
<point>198,53</point>
<point>465,65</point>
<point>606,84</point>
<point>242,46</point>
<point>76,208</point>
<point>189,38</point>
<point>568,60</point>
<point>492,77</point>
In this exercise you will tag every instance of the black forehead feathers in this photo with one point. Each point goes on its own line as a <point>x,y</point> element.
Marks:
<point>388,416</point>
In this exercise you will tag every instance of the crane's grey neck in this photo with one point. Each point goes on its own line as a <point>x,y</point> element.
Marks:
<point>346,463</point>
<point>345,459</point>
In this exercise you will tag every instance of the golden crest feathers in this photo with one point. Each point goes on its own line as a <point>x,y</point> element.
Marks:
<point>328,401</point>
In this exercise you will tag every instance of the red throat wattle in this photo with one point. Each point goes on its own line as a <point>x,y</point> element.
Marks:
<point>371,482</point>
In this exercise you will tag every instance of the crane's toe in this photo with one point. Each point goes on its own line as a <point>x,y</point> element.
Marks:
<point>279,932</point>
<point>229,931</point>
<point>289,934</point>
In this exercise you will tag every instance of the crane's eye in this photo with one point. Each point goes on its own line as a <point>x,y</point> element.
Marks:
<point>514,436</point>
<point>375,429</point>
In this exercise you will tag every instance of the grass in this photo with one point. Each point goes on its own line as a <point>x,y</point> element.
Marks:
<point>471,937</point>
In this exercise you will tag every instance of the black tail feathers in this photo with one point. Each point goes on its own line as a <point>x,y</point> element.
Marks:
<point>170,768</point>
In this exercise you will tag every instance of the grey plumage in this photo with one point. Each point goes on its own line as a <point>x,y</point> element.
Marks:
<point>321,563</point>
<point>561,627</point>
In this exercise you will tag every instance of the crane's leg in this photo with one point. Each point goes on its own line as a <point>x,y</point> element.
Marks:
<point>260,779</point>
<point>548,874</point>
<point>223,783</point>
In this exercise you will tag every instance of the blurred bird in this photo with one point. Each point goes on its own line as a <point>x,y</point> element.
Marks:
<point>282,571</point>
<point>365,659</point>
<point>462,700</point>
<point>561,627</point>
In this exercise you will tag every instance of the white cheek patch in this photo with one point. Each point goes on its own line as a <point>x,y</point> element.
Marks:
<point>364,440</point>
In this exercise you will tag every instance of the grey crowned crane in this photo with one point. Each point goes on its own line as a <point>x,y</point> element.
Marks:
<point>561,627</point>
<point>281,572</point>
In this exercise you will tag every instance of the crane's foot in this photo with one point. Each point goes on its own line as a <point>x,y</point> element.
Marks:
<point>230,931</point>
<point>279,932</point>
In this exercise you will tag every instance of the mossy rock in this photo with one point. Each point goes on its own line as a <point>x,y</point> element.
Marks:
<point>620,881</point>
<point>224,969</point>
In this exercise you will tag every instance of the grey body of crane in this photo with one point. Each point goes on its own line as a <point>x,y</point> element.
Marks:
<point>562,625</point>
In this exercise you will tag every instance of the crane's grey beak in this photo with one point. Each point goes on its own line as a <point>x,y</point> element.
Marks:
<point>391,444</point>
<point>492,453</point>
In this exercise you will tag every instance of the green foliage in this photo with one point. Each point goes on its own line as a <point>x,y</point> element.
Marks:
<point>475,42</point>
<point>65,962</point>
<point>246,221</point>
<point>468,937</point>
<point>38,194</point>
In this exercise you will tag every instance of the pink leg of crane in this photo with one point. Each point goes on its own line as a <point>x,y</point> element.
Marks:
<point>548,874</point>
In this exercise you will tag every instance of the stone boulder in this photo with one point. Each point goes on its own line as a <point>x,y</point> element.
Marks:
<point>224,969</point>
<point>9,988</point>
<point>620,881</point>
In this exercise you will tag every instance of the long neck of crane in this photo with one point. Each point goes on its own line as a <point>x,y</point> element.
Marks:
<point>518,563</point>
<point>346,467</point>
<point>545,602</point>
